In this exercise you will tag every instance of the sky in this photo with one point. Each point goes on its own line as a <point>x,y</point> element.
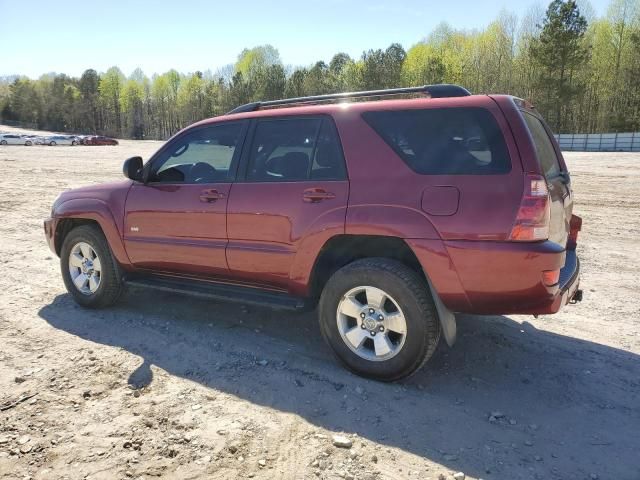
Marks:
<point>39,37</point>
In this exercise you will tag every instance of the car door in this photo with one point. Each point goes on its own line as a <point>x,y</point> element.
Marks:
<point>293,190</point>
<point>176,221</point>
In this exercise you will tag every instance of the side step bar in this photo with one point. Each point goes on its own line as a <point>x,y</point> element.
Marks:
<point>224,292</point>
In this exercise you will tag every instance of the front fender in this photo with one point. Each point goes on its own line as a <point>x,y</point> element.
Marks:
<point>99,211</point>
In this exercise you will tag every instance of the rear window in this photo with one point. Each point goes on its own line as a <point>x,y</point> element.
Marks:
<point>544,148</point>
<point>444,141</point>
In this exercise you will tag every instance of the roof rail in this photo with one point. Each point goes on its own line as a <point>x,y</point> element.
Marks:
<point>434,91</point>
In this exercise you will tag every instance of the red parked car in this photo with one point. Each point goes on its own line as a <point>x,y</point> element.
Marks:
<point>391,216</point>
<point>100,140</point>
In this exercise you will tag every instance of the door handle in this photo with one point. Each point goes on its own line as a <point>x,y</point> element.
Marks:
<point>210,195</point>
<point>313,195</point>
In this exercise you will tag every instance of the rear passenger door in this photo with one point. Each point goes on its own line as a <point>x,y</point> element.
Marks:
<point>293,185</point>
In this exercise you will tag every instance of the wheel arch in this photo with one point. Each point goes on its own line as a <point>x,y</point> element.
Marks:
<point>73,213</point>
<point>341,250</point>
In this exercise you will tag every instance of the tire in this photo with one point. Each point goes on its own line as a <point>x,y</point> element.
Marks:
<point>3,142</point>
<point>52,143</point>
<point>28,143</point>
<point>407,293</point>
<point>74,143</point>
<point>109,283</point>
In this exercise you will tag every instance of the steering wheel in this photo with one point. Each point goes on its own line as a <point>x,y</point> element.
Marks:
<point>202,172</point>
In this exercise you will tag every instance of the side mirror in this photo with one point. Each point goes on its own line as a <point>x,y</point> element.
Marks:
<point>132,168</point>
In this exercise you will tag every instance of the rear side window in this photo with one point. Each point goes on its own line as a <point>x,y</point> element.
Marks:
<point>439,141</point>
<point>295,149</point>
<point>544,148</point>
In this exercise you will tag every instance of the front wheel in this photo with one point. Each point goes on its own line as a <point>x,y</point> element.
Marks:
<point>52,143</point>
<point>3,142</point>
<point>378,317</point>
<point>89,271</point>
<point>74,143</point>
<point>28,143</point>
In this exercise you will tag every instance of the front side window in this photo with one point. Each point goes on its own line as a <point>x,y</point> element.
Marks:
<point>295,149</point>
<point>444,141</point>
<point>204,155</point>
<point>544,148</point>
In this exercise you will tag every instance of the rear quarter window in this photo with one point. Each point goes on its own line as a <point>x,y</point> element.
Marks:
<point>444,141</point>
<point>544,148</point>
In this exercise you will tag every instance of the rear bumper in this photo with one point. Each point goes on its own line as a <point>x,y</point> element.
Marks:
<point>569,284</point>
<point>506,278</point>
<point>494,278</point>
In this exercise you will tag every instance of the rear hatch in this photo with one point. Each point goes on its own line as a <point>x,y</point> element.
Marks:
<point>554,169</point>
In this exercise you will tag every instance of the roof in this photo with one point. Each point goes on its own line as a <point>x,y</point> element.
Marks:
<point>334,109</point>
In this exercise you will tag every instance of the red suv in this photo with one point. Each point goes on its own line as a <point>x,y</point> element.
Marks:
<point>390,216</point>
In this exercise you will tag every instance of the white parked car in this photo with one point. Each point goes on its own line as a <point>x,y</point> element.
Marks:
<point>62,140</point>
<point>13,139</point>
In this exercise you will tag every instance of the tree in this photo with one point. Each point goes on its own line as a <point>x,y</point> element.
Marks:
<point>88,85</point>
<point>24,102</point>
<point>382,68</point>
<point>110,89</point>
<point>295,83</point>
<point>252,61</point>
<point>422,66</point>
<point>561,52</point>
<point>133,109</point>
<point>316,80</point>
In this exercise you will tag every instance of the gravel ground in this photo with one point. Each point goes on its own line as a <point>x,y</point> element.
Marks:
<point>175,387</point>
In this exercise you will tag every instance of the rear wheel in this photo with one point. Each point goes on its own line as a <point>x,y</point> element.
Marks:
<point>28,143</point>
<point>89,271</point>
<point>378,317</point>
<point>74,143</point>
<point>52,143</point>
<point>3,142</point>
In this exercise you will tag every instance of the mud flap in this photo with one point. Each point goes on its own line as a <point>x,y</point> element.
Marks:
<point>446,316</point>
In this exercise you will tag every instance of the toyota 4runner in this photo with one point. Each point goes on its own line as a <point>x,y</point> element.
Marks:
<point>390,216</point>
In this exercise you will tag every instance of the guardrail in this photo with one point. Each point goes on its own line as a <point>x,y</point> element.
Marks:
<point>599,142</point>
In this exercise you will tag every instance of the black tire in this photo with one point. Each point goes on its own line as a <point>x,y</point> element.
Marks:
<point>52,143</point>
<point>414,298</point>
<point>28,143</point>
<point>74,143</point>
<point>3,142</point>
<point>111,284</point>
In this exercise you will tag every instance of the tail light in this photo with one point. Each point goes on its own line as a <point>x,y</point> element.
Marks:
<point>534,214</point>
<point>551,277</point>
<point>575,225</point>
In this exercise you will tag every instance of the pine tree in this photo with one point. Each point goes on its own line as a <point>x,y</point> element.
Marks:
<point>560,52</point>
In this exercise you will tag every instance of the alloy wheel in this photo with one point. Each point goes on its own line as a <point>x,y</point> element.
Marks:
<point>371,323</point>
<point>85,268</point>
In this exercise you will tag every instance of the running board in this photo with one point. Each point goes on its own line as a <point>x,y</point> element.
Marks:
<point>219,291</point>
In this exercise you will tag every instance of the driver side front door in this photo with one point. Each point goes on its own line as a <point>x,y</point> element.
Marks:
<point>176,222</point>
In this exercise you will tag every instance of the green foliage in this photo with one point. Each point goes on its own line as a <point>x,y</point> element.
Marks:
<point>255,60</point>
<point>582,77</point>
<point>424,65</point>
<point>560,52</point>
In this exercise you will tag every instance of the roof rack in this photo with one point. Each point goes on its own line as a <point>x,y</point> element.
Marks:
<point>434,91</point>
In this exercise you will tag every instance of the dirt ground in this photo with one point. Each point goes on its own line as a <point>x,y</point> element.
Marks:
<point>176,387</point>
